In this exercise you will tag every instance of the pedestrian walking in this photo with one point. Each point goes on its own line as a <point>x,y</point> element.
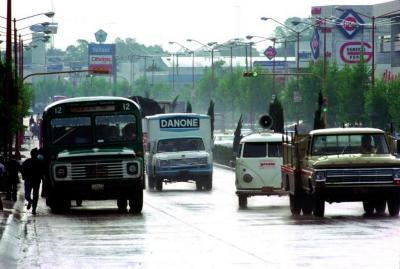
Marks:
<point>32,173</point>
<point>13,168</point>
<point>2,177</point>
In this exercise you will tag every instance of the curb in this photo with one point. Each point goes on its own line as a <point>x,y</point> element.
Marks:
<point>10,240</point>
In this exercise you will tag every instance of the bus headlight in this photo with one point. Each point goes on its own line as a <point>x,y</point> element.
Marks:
<point>132,168</point>
<point>320,176</point>
<point>61,171</point>
<point>247,178</point>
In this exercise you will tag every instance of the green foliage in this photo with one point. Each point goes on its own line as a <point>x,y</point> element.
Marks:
<point>188,107</point>
<point>223,154</point>
<point>237,135</point>
<point>319,122</point>
<point>210,113</point>
<point>276,113</point>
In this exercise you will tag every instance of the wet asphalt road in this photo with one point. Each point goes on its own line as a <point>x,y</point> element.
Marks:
<point>183,228</point>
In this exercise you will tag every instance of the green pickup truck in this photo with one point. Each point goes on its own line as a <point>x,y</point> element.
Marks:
<point>341,165</point>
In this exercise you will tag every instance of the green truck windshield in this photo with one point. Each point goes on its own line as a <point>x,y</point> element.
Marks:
<point>79,130</point>
<point>349,144</point>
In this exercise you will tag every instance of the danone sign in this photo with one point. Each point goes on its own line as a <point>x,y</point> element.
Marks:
<point>180,123</point>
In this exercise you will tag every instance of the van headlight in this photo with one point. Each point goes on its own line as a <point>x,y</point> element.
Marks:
<point>247,178</point>
<point>396,176</point>
<point>320,176</point>
<point>61,171</point>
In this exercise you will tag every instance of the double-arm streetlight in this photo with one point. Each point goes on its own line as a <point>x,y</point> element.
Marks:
<point>213,46</point>
<point>190,52</point>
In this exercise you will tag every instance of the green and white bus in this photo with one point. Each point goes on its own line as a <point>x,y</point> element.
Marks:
<point>93,148</point>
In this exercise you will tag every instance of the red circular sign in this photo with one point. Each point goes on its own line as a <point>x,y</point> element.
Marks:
<point>270,52</point>
<point>349,23</point>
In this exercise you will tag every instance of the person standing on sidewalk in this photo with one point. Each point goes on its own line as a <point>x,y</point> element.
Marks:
<point>13,167</point>
<point>32,173</point>
<point>2,177</point>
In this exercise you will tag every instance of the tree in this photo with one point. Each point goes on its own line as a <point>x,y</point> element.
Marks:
<point>319,122</point>
<point>276,113</point>
<point>188,107</point>
<point>237,135</point>
<point>211,114</point>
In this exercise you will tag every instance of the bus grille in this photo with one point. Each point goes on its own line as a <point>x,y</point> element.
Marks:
<point>97,170</point>
<point>359,176</point>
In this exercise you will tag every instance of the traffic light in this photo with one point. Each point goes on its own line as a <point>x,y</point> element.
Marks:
<point>325,104</point>
<point>250,74</point>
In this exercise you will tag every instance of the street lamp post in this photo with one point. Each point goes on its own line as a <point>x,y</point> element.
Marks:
<point>11,97</point>
<point>190,52</point>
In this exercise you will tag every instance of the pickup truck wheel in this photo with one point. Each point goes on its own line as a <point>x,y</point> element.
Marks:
<point>319,206</point>
<point>136,202</point>
<point>122,203</point>
<point>307,207</point>
<point>295,204</point>
<point>394,205</point>
<point>208,183</point>
<point>159,184</point>
<point>380,206</point>
<point>368,206</point>
<point>199,185</point>
<point>242,201</point>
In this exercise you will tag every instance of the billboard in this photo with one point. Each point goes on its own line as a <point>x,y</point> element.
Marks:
<point>350,52</point>
<point>101,58</point>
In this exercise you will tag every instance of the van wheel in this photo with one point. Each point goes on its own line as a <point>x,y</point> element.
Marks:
<point>136,202</point>
<point>295,204</point>
<point>394,205</point>
<point>242,201</point>
<point>159,183</point>
<point>319,206</point>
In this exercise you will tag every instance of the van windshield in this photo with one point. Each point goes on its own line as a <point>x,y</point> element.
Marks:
<point>262,149</point>
<point>180,144</point>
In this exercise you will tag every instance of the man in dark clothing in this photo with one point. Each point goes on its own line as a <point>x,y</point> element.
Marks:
<point>32,172</point>
<point>13,167</point>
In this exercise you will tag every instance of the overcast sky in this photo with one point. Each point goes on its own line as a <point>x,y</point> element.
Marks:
<point>154,22</point>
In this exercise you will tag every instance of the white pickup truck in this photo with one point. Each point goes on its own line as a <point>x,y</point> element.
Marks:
<point>179,149</point>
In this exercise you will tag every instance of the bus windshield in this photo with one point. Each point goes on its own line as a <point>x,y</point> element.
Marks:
<point>107,128</point>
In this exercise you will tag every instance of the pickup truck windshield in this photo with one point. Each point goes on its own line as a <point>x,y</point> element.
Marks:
<point>349,144</point>
<point>180,144</point>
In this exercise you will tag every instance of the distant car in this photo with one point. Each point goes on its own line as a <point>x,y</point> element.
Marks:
<point>223,139</point>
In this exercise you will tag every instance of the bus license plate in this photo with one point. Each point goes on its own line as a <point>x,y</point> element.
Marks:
<point>97,187</point>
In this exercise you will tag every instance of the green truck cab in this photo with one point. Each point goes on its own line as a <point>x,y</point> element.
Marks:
<point>341,165</point>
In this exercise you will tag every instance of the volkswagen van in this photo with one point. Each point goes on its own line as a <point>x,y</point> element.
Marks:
<point>258,166</point>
